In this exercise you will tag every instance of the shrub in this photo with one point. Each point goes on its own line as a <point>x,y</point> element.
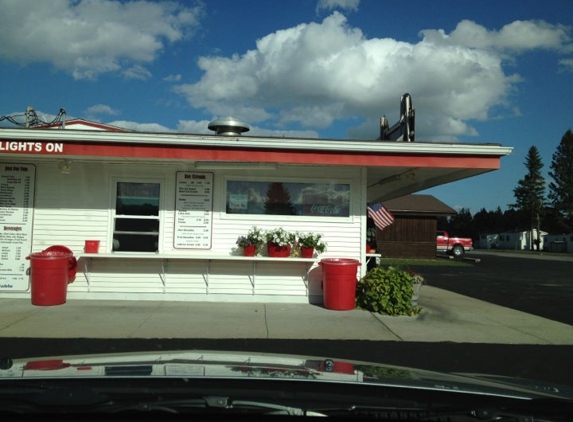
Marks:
<point>386,291</point>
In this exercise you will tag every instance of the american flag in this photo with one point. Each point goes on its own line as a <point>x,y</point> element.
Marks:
<point>380,214</point>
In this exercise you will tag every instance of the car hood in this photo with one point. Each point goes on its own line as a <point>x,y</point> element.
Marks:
<point>234,365</point>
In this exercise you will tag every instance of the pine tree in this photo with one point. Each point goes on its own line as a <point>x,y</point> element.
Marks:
<point>461,224</point>
<point>530,193</point>
<point>488,221</point>
<point>278,200</point>
<point>561,189</point>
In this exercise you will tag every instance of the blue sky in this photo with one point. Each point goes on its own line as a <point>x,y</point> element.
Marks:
<point>478,71</point>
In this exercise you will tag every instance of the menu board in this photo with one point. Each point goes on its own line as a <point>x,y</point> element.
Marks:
<point>16,215</point>
<point>193,210</point>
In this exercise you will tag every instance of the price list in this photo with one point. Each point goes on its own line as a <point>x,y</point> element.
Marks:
<point>193,210</point>
<point>16,214</point>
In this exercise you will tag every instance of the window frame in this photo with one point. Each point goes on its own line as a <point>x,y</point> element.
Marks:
<point>274,217</point>
<point>160,215</point>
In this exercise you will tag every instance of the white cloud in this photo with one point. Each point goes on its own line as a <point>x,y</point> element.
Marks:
<point>518,35</point>
<point>277,133</point>
<point>173,78</point>
<point>140,127</point>
<point>319,116</point>
<point>201,127</point>
<point>351,5</point>
<point>137,72</point>
<point>88,37</point>
<point>101,109</point>
<point>566,65</point>
<point>193,126</point>
<point>320,72</point>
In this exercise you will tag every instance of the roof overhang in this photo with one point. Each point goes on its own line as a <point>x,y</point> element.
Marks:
<point>393,168</point>
<point>382,184</point>
<point>418,205</point>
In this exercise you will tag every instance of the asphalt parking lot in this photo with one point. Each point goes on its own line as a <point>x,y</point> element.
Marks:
<point>540,284</point>
<point>536,285</point>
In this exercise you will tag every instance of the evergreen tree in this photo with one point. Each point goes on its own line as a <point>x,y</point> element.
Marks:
<point>515,220</point>
<point>481,221</point>
<point>561,189</point>
<point>462,225</point>
<point>530,194</point>
<point>278,200</point>
<point>552,221</point>
<point>497,219</point>
<point>488,221</point>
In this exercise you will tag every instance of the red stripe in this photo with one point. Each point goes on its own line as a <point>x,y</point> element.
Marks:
<point>266,156</point>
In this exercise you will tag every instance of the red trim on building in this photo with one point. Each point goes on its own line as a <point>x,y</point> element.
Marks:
<point>344,158</point>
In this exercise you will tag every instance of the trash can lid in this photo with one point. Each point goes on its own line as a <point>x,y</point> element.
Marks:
<point>58,248</point>
<point>340,261</point>
<point>56,251</point>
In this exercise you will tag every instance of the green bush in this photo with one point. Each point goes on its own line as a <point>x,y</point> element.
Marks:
<point>386,291</point>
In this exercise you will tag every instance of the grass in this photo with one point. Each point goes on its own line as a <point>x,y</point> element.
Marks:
<point>407,262</point>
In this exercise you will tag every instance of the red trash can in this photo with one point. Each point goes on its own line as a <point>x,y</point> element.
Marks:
<point>339,283</point>
<point>51,270</point>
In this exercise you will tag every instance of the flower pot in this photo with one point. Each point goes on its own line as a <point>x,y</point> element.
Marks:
<point>306,252</point>
<point>249,250</point>
<point>277,251</point>
<point>416,294</point>
<point>91,246</point>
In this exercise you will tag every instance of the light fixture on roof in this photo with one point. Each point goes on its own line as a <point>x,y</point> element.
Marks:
<point>409,175</point>
<point>228,126</point>
<point>65,166</point>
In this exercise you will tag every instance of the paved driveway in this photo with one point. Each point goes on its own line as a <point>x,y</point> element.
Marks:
<point>540,284</point>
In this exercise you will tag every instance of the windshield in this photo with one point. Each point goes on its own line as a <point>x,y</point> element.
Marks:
<point>385,182</point>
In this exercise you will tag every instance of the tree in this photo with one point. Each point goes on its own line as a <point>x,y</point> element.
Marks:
<point>513,219</point>
<point>530,194</point>
<point>561,189</point>
<point>488,221</point>
<point>553,222</point>
<point>461,224</point>
<point>278,200</point>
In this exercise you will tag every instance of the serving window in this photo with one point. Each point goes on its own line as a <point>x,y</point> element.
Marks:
<point>308,199</point>
<point>136,221</point>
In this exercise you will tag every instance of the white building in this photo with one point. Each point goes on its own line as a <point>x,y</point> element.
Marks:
<point>488,241</point>
<point>520,240</point>
<point>199,193</point>
<point>558,243</point>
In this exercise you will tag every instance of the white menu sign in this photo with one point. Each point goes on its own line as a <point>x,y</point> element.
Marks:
<point>193,210</point>
<point>16,214</point>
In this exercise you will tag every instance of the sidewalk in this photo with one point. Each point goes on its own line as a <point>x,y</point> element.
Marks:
<point>447,317</point>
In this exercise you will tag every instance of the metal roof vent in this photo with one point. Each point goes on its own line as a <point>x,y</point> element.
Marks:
<point>228,126</point>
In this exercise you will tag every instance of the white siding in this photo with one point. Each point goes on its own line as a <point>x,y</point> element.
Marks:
<point>72,208</point>
<point>186,277</point>
<point>519,240</point>
<point>69,208</point>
